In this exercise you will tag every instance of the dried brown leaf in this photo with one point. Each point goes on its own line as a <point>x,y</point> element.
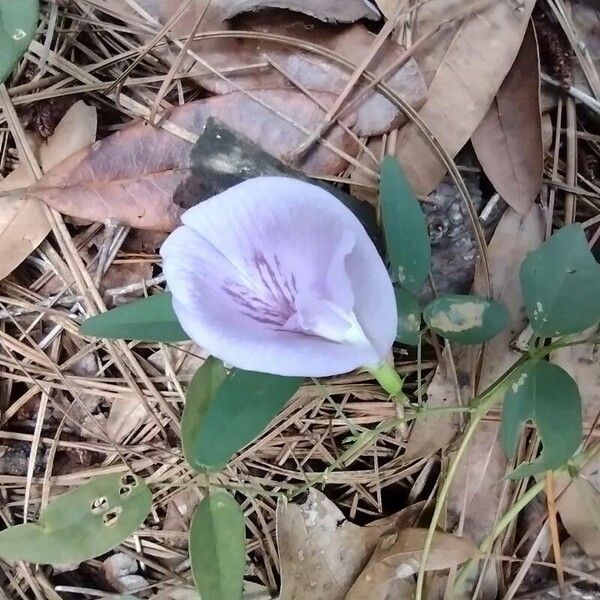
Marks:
<point>508,142</point>
<point>579,506</point>
<point>375,114</point>
<point>321,553</point>
<point>470,59</point>
<point>398,556</point>
<point>139,176</point>
<point>23,222</point>
<point>331,11</point>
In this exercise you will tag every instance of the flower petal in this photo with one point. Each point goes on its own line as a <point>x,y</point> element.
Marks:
<point>245,258</point>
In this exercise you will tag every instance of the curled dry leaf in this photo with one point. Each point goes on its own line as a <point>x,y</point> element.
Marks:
<point>324,10</point>
<point>23,223</point>
<point>398,556</point>
<point>508,141</point>
<point>466,64</point>
<point>321,553</point>
<point>375,114</point>
<point>138,175</point>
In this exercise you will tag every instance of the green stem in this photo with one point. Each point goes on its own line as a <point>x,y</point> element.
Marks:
<point>388,379</point>
<point>485,547</point>
<point>481,405</point>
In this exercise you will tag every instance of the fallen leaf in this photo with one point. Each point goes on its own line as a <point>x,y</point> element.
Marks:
<point>330,11</point>
<point>582,362</point>
<point>137,176</point>
<point>375,114</point>
<point>477,495</point>
<point>473,58</point>
<point>125,416</point>
<point>180,510</point>
<point>23,222</point>
<point>508,142</point>
<point>578,503</point>
<point>432,433</point>
<point>398,556</point>
<point>321,553</point>
<point>389,7</point>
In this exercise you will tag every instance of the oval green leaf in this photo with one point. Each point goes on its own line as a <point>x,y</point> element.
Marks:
<point>217,543</point>
<point>547,395</point>
<point>81,524</point>
<point>150,319</point>
<point>224,412</point>
<point>466,319</point>
<point>409,317</point>
<point>405,228</point>
<point>561,284</point>
<point>18,23</point>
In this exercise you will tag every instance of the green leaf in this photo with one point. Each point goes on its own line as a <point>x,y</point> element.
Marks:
<point>409,317</point>
<point>224,412</point>
<point>561,284</point>
<point>547,395</point>
<point>150,319</point>
<point>466,319</point>
<point>405,228</point>
<point>18,23</point>
<point>218,547</point>
<point>81,524</point>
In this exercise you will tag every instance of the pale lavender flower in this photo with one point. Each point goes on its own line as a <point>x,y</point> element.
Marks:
<point>278,276</point>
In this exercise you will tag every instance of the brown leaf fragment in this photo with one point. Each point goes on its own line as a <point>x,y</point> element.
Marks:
<point>375,114</point>
<point>321,553</point>
<point>398,556</point>
<point>467,61</point>
<point>508,142</point>
<point>331,11</point>
<point>137,176</point>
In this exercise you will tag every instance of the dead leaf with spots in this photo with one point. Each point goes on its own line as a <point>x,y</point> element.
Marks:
<point>467,62</point>
<point>321,553</point>
<point>139,175</point>
<point>375,113</point>
<point>331,11</point>
<point>508,142</point>
<point>398,556</point>
<point>23,222</point>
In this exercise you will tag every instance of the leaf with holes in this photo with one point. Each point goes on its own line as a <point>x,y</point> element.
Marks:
<point>406,237</point>
<point>218,547</point>
<point>548,396</point>
<point>18,22</point>
<point>409,317</point>
<point>466,319</point>
<point>561,284</point>
<point>151,319</point>
<point>81,524</point>
<point>224,412</point>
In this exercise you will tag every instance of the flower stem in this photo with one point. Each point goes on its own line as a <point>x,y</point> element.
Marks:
<point>388,379</point>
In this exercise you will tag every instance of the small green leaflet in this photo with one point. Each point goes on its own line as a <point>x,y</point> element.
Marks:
<point>547,395</point>
<point>405,228</point>
<point>466,319</point>
<point>217,545</point>
<point>561,284</point>
<point>150,319</point>
<point>81,524</point>
<point>409,317</point>
<point>18,23</point>
<point>224,412</point>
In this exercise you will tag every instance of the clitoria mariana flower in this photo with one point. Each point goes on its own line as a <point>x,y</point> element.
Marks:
<point>276,275</point>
